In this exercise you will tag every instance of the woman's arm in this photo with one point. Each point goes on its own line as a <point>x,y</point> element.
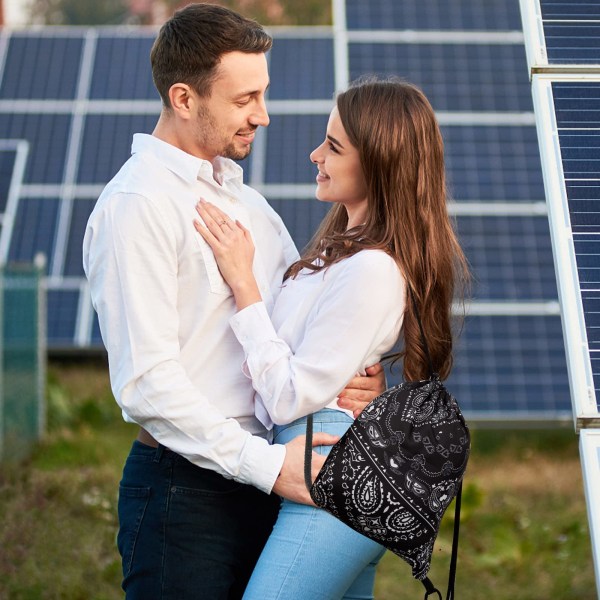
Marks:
<point>294,384</point>
<point>355,318</point>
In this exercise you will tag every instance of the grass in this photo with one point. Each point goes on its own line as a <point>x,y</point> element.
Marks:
<point>524,529</point>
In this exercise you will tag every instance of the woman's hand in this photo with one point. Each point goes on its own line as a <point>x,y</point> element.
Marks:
<point>233,248</point>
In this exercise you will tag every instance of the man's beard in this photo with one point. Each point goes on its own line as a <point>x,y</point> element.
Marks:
<point>207,130</point>
<point>230,151</point>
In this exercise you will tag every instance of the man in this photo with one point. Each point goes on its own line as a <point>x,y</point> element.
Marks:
<point>195,502</point>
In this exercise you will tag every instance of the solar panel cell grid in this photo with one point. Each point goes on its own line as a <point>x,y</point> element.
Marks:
<point>580,9</point>
<point>34,229</point>
<point>497,355</point>
<point>41,67</point>
<point>47,135</point>
<point>80,213</point>
<point>290,140</point>
<point>63,306</point>
<point>578,123</point>
<point>432,14</point>
<point>301,216</point>
<point>455,77</point>
<point>106,144</point>
<point>133,79</point>
<point>301,69</point>
<point>572,43</point>
<point>493,163</point>
<point>96,337</point>
<point>498,358</point>
<point>7,163</point>
<point>511,257</point>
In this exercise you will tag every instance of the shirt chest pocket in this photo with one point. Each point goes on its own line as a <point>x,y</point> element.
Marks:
<point>215,280</point>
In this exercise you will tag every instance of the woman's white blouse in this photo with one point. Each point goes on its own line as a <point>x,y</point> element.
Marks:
<point>325,328</point>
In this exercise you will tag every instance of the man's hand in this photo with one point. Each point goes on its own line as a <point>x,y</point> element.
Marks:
<point>361,390</point>
<point>290,483</point>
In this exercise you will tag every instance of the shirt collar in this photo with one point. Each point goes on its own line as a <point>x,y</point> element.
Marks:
<point>186,166</point>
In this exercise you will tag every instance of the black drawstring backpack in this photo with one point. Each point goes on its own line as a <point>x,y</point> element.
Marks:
<point>395,471</point>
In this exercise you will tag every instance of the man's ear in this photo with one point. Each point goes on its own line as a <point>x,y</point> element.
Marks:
<point>182,100</point>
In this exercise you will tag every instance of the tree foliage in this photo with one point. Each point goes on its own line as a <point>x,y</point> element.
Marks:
<point>77,12</point>
<point>283,12</point>
<point>113,12</point>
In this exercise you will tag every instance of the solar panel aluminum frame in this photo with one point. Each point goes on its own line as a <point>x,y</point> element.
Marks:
<point>21,149</point>
<point>583,395</point>
<point>535,43</point>
<point>533,28</point>
<point>589,451</point>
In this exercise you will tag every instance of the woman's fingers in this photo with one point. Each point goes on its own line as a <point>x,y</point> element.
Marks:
<point>215,220</point>
<point>206,234</point>
<point>214,213</point>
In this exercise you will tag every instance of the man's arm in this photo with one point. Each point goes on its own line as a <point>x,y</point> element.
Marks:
<point>131,260</point>
<point>360,391</point>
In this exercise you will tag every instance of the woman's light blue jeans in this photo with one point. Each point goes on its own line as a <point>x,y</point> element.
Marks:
<point>311,555</point>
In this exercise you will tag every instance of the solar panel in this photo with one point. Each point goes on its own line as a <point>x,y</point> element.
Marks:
<point>562,33</point>
<point>74,132</point>
<point>432,15</point>
<point>498,357</point>
<point>132,80</point>
<point>302,215</point>
<point>108,132</point>
<point>493,162</point>
<point>34,229</point>
<point>302,68</point>
<point>511,257</point>
<point>80,213</point>
<point>589,450</point>
<point>290,140</point>
<point>51,64</point>
<point>8,158</point>
<point>47,135</point>
<point>455,77</point>
<point>569,127</point>
<point>63,305</point>
<point>564,62</point>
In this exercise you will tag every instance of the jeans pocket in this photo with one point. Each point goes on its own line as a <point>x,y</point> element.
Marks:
<point>132,507</point>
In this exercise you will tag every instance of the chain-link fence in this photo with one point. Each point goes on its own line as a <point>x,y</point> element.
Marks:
<point>23,359</point>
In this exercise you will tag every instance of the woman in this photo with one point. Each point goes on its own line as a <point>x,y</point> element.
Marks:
<point>343,306</point>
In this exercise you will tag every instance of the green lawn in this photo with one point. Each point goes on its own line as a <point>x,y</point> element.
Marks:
<point>524,529</point>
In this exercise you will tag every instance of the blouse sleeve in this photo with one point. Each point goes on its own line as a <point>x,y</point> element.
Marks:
<point>358,316</point>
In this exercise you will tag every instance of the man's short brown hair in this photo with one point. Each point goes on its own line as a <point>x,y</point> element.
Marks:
<point>190,44</point>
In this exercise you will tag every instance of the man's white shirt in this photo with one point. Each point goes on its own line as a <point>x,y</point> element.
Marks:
<point>164,309</point>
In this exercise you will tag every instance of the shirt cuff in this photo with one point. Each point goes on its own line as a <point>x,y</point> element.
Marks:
<point>253,324</point>
<point>261,463</point>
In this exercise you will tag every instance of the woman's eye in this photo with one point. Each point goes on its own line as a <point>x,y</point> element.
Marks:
<point>333,148</point>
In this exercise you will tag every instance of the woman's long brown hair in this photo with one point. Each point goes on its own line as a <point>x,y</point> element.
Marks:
<point>394,129</point>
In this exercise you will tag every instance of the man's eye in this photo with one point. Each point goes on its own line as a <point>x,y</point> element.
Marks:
<point>243,102</point>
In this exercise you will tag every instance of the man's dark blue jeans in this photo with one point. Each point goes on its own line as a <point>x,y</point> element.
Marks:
<point>187,532</point>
